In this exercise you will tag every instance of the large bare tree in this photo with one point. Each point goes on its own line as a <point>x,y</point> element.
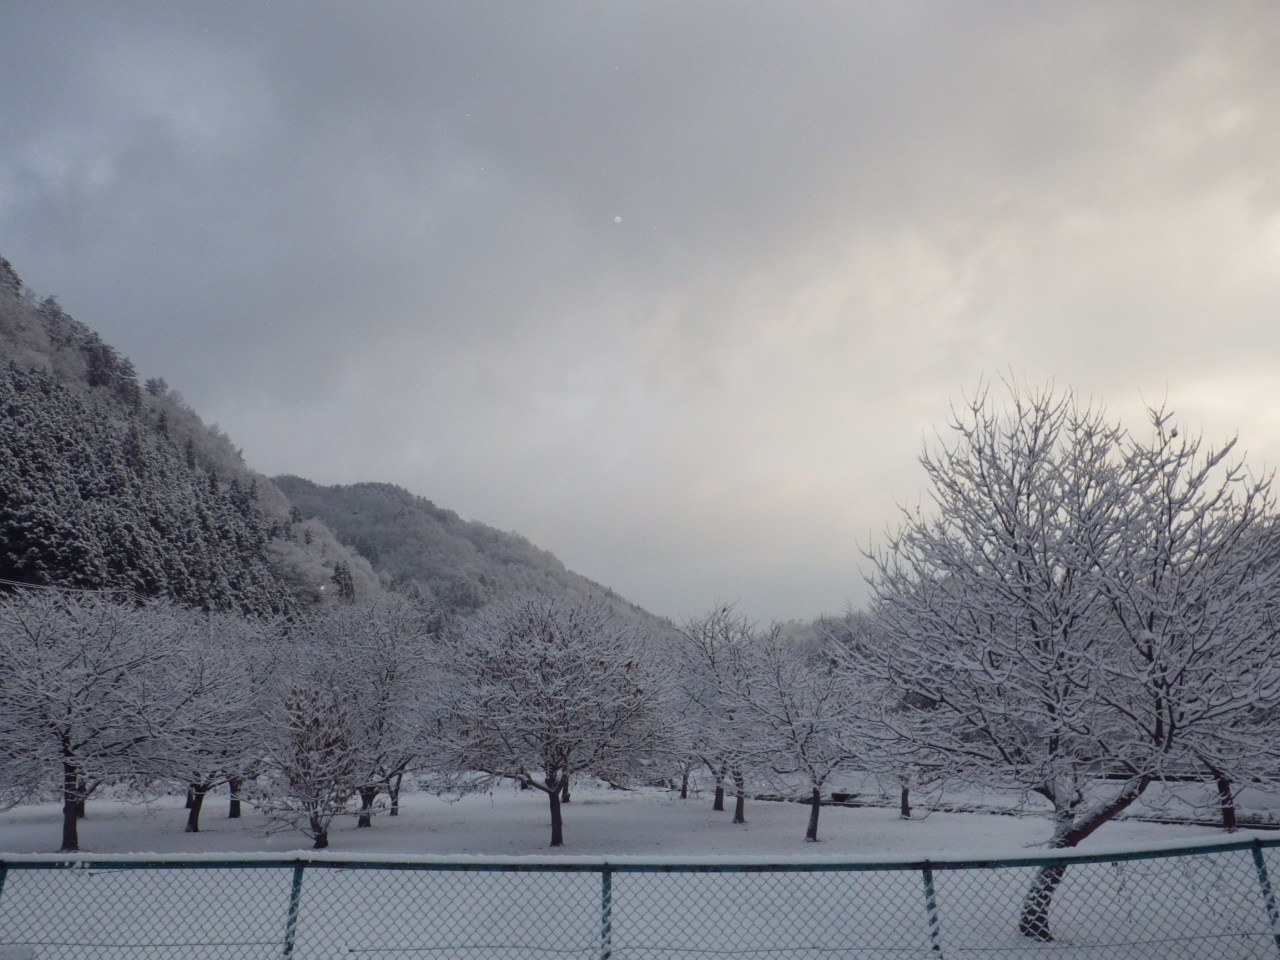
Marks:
<point>1079,612</point>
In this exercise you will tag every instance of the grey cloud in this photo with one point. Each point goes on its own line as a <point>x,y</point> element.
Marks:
<point>675,289</point>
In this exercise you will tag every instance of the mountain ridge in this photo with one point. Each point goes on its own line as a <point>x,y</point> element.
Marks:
<point>421,547</point>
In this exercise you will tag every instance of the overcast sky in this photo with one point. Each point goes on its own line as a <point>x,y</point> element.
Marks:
<point>677,289</point>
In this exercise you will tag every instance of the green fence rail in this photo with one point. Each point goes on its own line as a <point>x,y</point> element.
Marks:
<point>1215,902</point>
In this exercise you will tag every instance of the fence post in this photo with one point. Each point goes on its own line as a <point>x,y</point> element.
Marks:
<point>1268,895</point>
<point>606,914</point>
<point>291,924</point>
<point>931,909</point>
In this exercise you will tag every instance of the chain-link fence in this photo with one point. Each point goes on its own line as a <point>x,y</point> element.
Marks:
<point>1212,902</point>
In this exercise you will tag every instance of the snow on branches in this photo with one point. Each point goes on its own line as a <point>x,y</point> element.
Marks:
<point>86,694</point>
<point>543,688</point>
<point>1083,611</point>
<point>351,711</point>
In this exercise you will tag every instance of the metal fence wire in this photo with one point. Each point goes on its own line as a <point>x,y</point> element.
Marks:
<point>1212,902</point>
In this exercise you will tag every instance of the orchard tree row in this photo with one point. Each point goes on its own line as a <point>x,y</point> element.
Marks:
<point>323,715</point>
<point>96,692</point>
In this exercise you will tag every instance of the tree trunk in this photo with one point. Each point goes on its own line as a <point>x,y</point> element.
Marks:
<point>367,796</point>
<point>684,784</point>
<point>195,792</point>
<point>557,824</point>
<point>739,797</point>
<point>70,809</point>
<point>82,794</point>
<point>234,785</point>
<point>191,797</point>
<point>564,790</point>
<point>321,834</point>
<point>1034,920</point>
<point>815,805</point>
<point>1226,800</point>
<point>717,802</point>
<point>1033,923</point>
<point>904,803</point>
<point>394,793</point>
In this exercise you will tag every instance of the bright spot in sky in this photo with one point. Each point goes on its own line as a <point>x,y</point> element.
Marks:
<point>617,219</point>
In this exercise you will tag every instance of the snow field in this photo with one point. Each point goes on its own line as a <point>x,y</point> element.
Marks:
<point>599,823</point>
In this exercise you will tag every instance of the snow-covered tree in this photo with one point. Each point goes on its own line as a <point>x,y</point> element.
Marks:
<point>226,673</point>
<point>313,762</point>
<point>543,689</point>
<point>909,762</point>
<point>1080,613</point>
<point>86,693</point>
<point>382,654</point>
<point>357,685</point>
<point>805,715</point>
<point>1194,596</point>
<point>714,657</point>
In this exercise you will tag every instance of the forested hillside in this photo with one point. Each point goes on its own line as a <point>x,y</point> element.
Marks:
<point>106,483</point>
<point>416,546</point>
<point>109,483</point>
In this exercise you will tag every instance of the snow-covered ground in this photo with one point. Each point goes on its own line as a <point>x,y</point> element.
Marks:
<point>599,823</point>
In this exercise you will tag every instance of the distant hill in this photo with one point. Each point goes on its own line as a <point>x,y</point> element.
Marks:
<point>419,547</point>
<point>109,484</point>
<point>106,483</point>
